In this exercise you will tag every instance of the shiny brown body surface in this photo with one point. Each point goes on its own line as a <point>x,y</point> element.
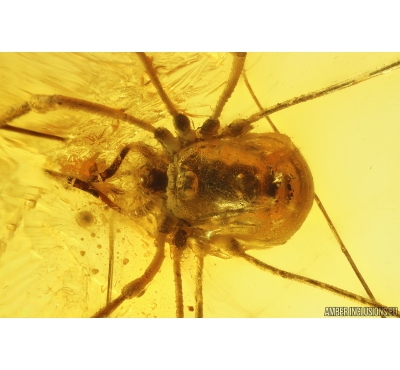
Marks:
<point>257,188</point>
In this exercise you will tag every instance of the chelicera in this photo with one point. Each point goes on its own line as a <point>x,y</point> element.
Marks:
<point>219,190</point>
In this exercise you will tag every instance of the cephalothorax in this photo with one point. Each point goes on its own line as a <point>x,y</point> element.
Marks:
<point>257,189</point>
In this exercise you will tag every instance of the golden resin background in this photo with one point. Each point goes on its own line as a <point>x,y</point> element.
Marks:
<point>53,266</point>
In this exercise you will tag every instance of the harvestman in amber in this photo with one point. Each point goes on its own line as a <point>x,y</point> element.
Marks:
<point>219,190</point>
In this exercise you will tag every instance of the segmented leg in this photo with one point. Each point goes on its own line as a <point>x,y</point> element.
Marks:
<point>178,245</point>
<point>25,131</point>
<point>211,126</point>
<point>46,103</point>
<point>111,238</point>
<point>199,286</point>
<point>325,91</point>
<point>237,250</point>
<point>181,122</point>
<point>176,259</point>
<point>137,287</point>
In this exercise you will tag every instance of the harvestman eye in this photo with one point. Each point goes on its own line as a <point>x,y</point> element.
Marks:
<point>216,190</point>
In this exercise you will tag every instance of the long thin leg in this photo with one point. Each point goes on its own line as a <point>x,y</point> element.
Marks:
<point>146,61</point>
<point>136,287</point>
<point>179,243</point>
<point>211,126</point>
<point>343,247</point>
<point>15,112</point>
<point>178,246</point>
<point>199,286</point>
<point>25,131</point>
<point>237,251</point>
<point>111,238</point>
<point>247,83</point>
<point>325,91</point>
<point>239,60</point>
<point>46,103</point>
<point>176,259</point>
<point>181,121</point>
